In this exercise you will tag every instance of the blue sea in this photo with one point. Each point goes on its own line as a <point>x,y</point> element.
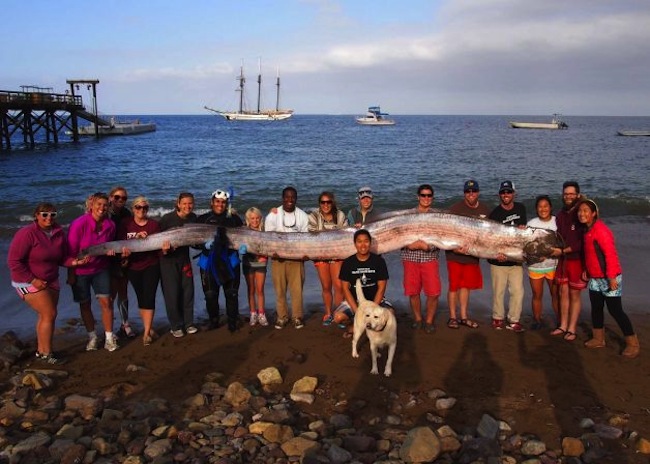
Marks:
<point>321,152</point>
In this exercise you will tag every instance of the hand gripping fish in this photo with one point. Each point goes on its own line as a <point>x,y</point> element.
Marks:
<point>483,238</point>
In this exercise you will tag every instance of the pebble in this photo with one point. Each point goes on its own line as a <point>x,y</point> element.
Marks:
<point>243,422</point>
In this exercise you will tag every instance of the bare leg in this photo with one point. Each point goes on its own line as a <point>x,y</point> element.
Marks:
<point>564,306</point>
<point>326,286</point>
<point>44,303</point>
<point>463,297</point>
<point>555,298</point>
<point>260,278</point>
<point>574,309</point>
<point>452,300</point>
<point>337,285</point>
<point>250,285</point>
<point>537,286</point>
<point>87,316</point>
<point>416,307</point>
<point>432,307</point>
<point>107,313</point>
<point>147,321</point>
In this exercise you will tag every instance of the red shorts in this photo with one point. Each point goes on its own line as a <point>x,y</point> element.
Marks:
<point>464,275</point>
<point>569,271</point>
<point>421,276</point>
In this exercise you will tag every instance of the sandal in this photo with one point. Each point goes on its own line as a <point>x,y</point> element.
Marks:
<point>558,331</point>
<point>452,323</point>
<point>429,328</point>
<point>416,325</point>
<point>327,320</point>
<point>570,336</point>
<point>469,323</point>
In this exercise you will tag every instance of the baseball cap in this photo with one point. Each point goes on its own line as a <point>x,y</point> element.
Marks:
<point>470,185</point>
<point>365,192</point>
<point>506,185</point>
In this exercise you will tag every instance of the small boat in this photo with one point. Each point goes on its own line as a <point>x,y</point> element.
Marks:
<point>556,123</point>
<point>635,133</point>
<point>374,117</point>
<point>242,114</point>
<point>118,128</point>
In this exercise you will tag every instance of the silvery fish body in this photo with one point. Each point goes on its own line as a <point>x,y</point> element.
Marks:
<point>483,238</point>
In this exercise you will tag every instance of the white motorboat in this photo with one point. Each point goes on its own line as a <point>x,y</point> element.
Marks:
<point>243,114</point>
<point>635,133</point>
<point>374,117</point>
<point>556,123</point>
<point>118,128</point>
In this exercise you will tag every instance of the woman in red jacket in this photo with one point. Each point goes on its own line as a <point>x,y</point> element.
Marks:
<point>605,279</point>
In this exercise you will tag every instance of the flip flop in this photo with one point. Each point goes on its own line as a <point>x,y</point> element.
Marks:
<point>558,331</point>
<point>570,336</point>
<point>453,323</point>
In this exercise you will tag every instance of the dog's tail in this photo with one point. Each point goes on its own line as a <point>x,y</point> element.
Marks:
<point>360,296</point>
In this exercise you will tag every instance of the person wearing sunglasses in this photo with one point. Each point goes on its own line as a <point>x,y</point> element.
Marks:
<point>142,269</point>
<point>287,274</point>
<point>93,228</point>
<point>34,257</point>
<point>221,214</point>
<point>117,212</point>
<point>421,270</point>
<point>365,212</point>
<point>463,270</point>
<point>176,276</point>
<point>504,273</point>
<point>328,217</point>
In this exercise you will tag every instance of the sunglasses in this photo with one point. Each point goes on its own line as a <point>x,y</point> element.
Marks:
<point>425,195</point>
<point>326,202</point>
<point>141,207</point>
<point>365,192</point>
<point>119,197</point>
<point>506,192</point>
<point>47,214</point>
<point>471,191</point>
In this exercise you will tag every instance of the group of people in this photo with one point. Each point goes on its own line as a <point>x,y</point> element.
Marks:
<point>587,258</point>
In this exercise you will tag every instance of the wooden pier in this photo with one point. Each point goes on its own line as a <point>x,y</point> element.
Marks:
<point>35,110</point>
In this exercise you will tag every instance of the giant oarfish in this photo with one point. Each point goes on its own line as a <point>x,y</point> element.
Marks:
<point>482,237</point>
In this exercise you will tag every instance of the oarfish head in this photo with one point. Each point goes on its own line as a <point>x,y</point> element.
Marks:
<point>540,246</point>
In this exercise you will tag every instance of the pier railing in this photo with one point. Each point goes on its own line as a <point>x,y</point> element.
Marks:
<point>38,100</point>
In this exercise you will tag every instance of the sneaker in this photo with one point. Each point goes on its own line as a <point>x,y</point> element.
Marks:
<point>498,324</point>
<point>281,323</point>
<point>261,318</point>
<point>92,344</point>
<point>191,329</point>
<point>49,358</point>
<point>127,330</point>
<point>111,343</point>
<point>177,333</point>
<point>254,319</point>
<point>515,327</point>
<point>297,323</point>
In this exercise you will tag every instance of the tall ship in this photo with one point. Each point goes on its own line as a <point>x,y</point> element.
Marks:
<point>244,114</point>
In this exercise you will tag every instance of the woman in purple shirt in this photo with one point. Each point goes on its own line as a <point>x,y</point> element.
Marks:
<point>35,254</point>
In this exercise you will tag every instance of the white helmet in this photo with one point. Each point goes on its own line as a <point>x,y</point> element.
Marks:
<point>221,195</point>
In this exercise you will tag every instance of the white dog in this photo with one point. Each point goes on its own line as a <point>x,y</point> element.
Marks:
<point>380,326</point>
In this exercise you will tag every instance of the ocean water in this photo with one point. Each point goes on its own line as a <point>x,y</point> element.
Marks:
<point>318,152</point>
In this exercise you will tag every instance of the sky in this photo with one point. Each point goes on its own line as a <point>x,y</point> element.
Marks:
<point>440,57</point>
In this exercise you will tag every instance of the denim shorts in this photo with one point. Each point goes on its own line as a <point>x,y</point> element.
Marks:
<point>100,283</point>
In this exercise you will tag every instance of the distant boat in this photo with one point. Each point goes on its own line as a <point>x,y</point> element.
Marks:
<point>119,128</point>
<point>635,133</point>
<point>242,114</point>
<point>374,117</point>
<point>556,123</point>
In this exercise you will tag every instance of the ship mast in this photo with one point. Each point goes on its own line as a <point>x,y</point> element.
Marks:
<point>241,80</point>
<point>277,93</point>
<point>259,85</point>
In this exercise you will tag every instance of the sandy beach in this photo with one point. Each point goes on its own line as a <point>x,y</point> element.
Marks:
<point>537,383</point>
